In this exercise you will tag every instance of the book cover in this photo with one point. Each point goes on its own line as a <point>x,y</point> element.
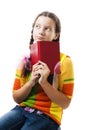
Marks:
<point>45,51</point>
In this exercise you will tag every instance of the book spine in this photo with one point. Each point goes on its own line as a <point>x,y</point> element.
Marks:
<point>39,49</point>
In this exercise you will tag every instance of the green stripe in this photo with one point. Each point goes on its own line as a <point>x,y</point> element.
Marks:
<point>69,79</point>
<point>30,101</point>
<point>17,75</point>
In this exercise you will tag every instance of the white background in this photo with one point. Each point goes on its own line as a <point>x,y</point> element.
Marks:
<point>16,18</point>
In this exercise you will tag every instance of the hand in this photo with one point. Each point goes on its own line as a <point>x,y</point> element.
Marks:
<point>34,75</point>
<point>41,71</point>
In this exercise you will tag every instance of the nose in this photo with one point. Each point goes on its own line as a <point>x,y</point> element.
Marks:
<point>41,31</point>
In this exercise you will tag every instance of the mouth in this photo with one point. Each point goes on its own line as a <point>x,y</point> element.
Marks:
<point>40,39</point>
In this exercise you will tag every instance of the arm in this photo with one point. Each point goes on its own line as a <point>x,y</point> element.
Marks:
<point>23,92</point>
<point>20,93</point>
<point>53,93</point>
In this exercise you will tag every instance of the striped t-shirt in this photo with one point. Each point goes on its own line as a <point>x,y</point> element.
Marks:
<point>37,99</point>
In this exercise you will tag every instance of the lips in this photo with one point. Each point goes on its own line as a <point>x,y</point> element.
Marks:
<point>40,38</point>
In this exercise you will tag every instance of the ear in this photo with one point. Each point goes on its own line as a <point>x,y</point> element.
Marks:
<point>56,36</point>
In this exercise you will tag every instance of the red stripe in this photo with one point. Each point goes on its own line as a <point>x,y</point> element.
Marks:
<point>68,89</point>
<point>42,101</point>
<point>16,84</point>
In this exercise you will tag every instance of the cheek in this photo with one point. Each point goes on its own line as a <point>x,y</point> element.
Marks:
<point>50,37</point>
<point>34,34</point>
<point>53,36</point>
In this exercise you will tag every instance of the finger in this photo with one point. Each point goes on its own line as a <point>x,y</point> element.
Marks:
<point>36,65</point>
<point>42,63</point>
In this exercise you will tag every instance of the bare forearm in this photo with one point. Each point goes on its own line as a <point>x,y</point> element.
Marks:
<point>22,93</point>
<point>56,96</point>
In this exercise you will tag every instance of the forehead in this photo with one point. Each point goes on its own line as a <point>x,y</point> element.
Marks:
<point>44,20</point>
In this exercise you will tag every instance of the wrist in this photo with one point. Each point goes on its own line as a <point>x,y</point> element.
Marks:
<point>43,83</point>
<point>31,83</point>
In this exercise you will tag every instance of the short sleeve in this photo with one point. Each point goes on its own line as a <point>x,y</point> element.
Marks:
<point>67,77</point>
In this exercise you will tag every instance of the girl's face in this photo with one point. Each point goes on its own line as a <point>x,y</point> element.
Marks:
<point>44,29</point>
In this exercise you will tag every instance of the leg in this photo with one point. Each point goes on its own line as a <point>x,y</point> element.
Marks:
<point>38,122</point>
<point>59,128</point>
<point>12,119</point>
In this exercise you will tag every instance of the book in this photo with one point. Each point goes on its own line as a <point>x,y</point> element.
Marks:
<point>45,51</point>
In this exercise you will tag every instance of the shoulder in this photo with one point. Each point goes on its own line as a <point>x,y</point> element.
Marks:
<point>22,60</point>
<point>24,57</point>
<point>67,69</point>
<point>64,57</point>
<point>66,60</point>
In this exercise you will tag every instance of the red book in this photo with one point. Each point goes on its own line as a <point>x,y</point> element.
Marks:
<point>47,52</point>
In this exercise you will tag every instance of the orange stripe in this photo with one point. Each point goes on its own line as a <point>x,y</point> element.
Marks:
<point>68,89</point>
<point>42,100</point>
<point>16,84</point>
<point>41,96</point>
<point>42,108</point>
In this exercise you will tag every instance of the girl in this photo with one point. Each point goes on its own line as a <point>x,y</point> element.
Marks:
<point>40,104</point>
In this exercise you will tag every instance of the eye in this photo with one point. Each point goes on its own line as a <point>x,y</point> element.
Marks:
<point>37,26</point>
<point>48,29</point>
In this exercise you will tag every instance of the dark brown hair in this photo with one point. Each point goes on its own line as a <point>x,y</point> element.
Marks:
<point>54,18</point>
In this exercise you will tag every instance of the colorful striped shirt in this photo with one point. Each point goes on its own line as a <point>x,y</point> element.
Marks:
<point>38,99</point>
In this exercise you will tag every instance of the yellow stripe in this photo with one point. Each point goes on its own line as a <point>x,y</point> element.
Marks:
<point>56,111</point>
